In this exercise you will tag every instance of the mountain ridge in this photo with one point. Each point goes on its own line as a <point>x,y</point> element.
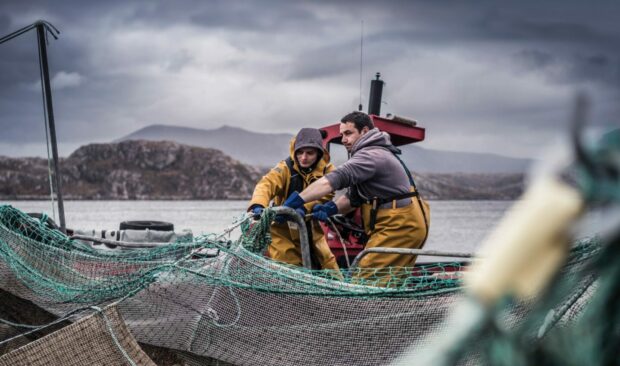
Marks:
<point>266,149</point>
<point>246,146</point>
<point>155,170</point>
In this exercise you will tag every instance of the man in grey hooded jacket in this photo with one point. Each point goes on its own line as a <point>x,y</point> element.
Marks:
<point>378,182</point>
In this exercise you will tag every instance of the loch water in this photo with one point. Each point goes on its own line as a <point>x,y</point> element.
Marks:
<point>455,225</point>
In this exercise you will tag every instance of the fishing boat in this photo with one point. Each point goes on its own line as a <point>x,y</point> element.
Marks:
<point>211,300</point>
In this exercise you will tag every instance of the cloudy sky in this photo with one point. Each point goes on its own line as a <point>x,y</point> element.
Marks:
<point>483,76</point>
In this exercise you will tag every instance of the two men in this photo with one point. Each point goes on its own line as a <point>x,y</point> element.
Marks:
<point>378,181</point>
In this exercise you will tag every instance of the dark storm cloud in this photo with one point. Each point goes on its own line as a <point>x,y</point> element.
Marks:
<point>581,38</point>
<point>239,15</point>
<point>21,102</point>
<point>548,31</point>
<point>18,63</point>
<point>5,22</point>
<point>21,64</point>
<point>476,67</point>
<point>265,16</point>
<point>576,66</point>
<point>334,60</point>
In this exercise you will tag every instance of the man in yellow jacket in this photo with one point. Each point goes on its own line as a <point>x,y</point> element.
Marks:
<point>307,163</point>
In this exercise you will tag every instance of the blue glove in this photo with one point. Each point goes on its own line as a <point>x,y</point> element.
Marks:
<point>295,202</point>
<point>256,210</point>
<point>323,212</point>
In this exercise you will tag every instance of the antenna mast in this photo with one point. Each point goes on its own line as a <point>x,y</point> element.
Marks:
<point>359,108</point>
<point>43,28</point>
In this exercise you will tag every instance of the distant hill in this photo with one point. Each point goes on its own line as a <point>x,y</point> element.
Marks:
<point>266,149</point>
<point>143,170</point>
<point>260,149</point>
<point>470,186</point>
<point>438,161</point>
<point>132,170</point>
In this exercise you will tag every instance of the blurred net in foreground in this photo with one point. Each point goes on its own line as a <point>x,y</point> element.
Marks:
<point>237,306</point>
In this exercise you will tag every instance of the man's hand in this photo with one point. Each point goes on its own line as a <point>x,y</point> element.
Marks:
<point>295,202</point>
<point>322,212</point>
<point>257,211</point>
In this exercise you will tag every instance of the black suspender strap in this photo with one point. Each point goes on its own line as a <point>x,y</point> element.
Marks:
<point>375,202</point>
<point>406,171</point>
<point>411,181</point>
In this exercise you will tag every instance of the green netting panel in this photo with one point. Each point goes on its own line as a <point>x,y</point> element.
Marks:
<point>64,270</point>
<point>238,306</point>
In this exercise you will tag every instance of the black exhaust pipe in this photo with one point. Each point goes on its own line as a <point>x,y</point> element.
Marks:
<point>376,92</point>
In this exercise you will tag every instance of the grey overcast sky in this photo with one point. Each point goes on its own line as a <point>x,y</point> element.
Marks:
<point>486,76</point>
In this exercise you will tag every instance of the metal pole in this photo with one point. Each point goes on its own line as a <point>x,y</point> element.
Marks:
<point>50,119</point>
<point>123,244</point>
<point>303,233</point>
<point>406,251</point>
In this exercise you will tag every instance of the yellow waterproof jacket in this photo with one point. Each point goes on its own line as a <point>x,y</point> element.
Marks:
<point>273,187</point>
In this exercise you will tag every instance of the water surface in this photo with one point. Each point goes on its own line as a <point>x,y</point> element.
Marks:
<point>455,225</point>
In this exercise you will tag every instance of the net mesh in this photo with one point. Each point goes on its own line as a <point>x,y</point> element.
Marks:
<point>98,339</point>
<point>212,298</point>
<point>574,320</point>
<point>574,323</point>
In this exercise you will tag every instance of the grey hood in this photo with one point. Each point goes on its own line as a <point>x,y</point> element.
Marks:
<point>309,137</point>
<point>374,138</point>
